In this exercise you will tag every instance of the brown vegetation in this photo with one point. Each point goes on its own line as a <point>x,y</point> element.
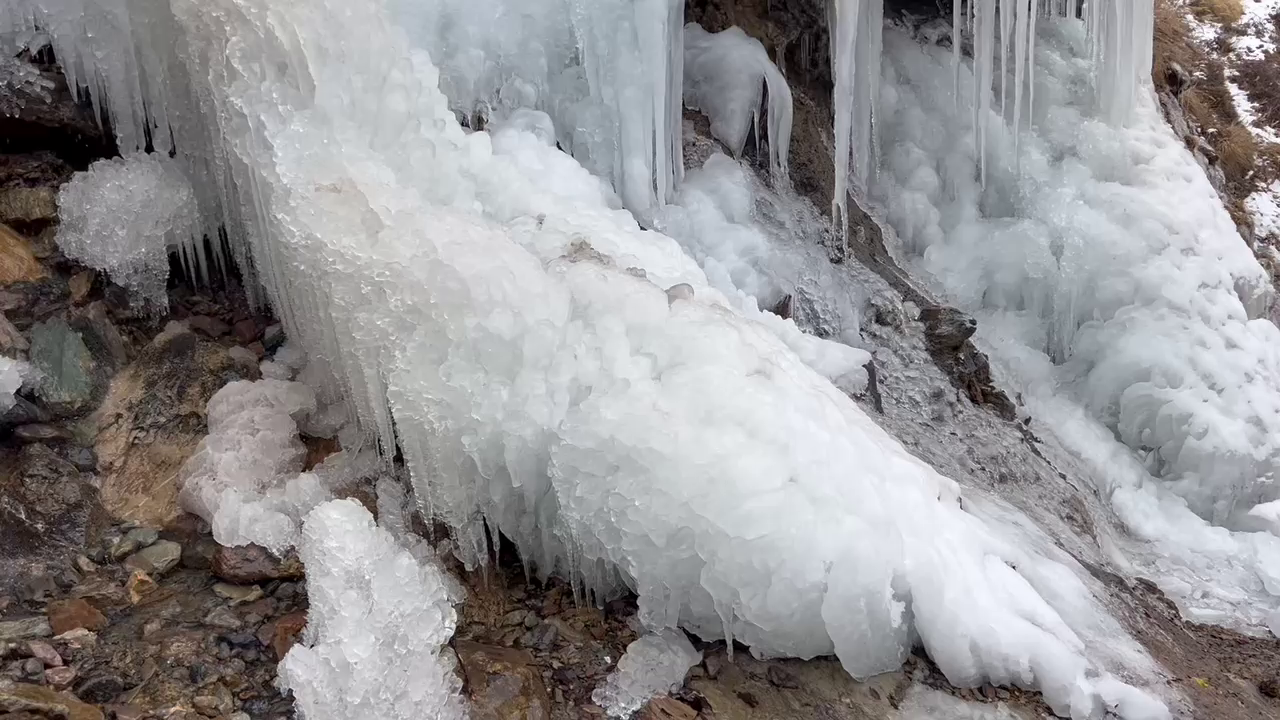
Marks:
<point>1224,12</point>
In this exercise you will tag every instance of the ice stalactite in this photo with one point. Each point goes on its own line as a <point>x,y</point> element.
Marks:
<point>726,76</point>
<point>856,27</point>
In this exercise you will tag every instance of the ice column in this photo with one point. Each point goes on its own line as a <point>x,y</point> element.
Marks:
<point>856,28</point>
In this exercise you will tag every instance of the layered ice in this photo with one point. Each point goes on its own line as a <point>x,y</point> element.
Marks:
<point>652,665</point>
<point>152,209</point>
<point>377,621</point>
<point>726,76</point>
<point>1117,296</point>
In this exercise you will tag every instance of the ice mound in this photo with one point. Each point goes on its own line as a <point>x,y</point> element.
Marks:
<point>725,76</point>
<point>122,215</point>
<point>652,665</point>
<point>246,476</point>
<point>1103,248</point>
<point>375,627</point>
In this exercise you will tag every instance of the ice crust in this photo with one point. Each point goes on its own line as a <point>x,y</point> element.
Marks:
<point>152,208</point>
<point>554,372</point>
<point>652,665</point>
<point>726,75</point>
<point>377,621</point>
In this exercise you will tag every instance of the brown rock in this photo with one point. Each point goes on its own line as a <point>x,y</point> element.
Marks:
<point>246,331</point>
<point>503,683</point>
<point>250,564</point>
<point>42,701</point>
<point>285,633</point>
<point>152,420</point>
<point>28,205</point>
<point>81,284</point>
<point>17,263</point>
<point>66,615</point>
<point>257,349</point>
<point>666,708</point>
<point>139,586</point>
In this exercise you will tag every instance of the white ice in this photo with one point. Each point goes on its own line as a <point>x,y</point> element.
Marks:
<point>1117,298</point>
<point>726,75</point>
<point>377,621</point>
<point>652,665</point>
<point>553,371</point>
<point>13,375</point>
<point>152,209</point>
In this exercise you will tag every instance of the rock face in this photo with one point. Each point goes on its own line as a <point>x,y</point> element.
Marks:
<point>152,420</point>
<point>47,509</point>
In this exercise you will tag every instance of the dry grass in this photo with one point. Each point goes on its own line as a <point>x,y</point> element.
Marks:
<point>1224,12</point>
<point>1237,151</point>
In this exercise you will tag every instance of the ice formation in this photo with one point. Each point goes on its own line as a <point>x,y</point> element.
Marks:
<point>377,621</point>
<point>20,81</point>
<point>152,208</point>
<point>246,476</point>
<point>481,301</point>
<point>13,375</point>
<point>726,75</point>
<point>652,665</point>
<point>1110,282</point>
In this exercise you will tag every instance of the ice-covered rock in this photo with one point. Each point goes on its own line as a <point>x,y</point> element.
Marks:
<point>123,215</point>
<point>13,375</point>
<point>377,620</point>
<point>652,665</point>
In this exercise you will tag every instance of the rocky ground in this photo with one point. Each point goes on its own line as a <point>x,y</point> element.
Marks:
<point>114,603</point>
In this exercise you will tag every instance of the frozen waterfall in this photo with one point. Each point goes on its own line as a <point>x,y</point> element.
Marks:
<point>440,200</point>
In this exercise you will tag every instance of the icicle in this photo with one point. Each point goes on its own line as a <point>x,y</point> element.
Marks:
<point>957,40</point>
<point>1006,29</point>
<point>1031,64</point>
<point>856,29</point>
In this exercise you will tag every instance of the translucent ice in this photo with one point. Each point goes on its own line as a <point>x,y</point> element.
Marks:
<point>726,75</point>
<point>123,215</point>
<point>653,665</point>
<point>377,621</point>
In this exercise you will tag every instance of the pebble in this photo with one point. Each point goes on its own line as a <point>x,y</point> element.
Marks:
<point>223,618</point>
<point>33,670</point>
<point>208,326</point>
<point>156,559</point>
<point>139,586</point>
<point>515,617</point>
<point>238,594</point>
<point>151,627</point>
<point>60,678</point>
<point>44,652</point>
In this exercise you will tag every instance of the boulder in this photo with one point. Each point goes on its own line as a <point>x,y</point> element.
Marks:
<point>503,683</point>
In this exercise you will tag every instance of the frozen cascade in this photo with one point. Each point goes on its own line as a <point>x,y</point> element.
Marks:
<point>725,76</point>
<point>478,299</point>
<point>1117,298</point>
<point>153,208</point>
